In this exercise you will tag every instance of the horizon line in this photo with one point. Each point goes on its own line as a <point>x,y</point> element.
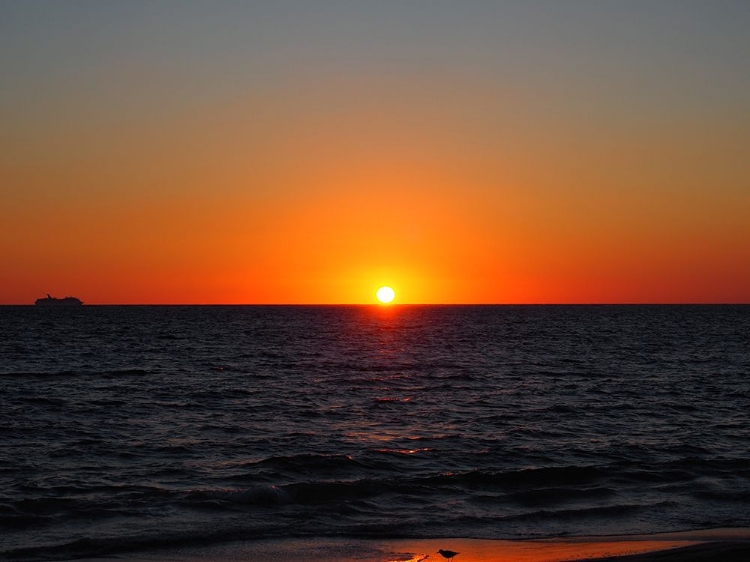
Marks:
<point>392,305</point>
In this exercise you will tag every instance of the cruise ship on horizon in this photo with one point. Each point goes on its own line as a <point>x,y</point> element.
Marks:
<point>52,301</point>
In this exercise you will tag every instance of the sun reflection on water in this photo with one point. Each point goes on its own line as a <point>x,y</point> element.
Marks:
<point>413,558</point>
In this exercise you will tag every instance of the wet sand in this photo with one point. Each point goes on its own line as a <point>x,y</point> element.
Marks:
<point>720,545</point>
<point>705,552</point>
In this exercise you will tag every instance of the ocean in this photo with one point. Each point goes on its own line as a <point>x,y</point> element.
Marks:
<point>132,428</point>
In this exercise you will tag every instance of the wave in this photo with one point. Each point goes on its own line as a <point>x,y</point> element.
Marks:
<point>305,463</point>
<point>260,495</point>
<point>23,374</point>
<point>599,512</point>
<point>90,547</point>
<point>519,487</point>
<point>90,371</point>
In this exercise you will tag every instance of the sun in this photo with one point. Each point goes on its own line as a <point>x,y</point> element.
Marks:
<point>385,295</point>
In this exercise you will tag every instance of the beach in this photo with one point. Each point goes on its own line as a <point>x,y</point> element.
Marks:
<point>726,545</point>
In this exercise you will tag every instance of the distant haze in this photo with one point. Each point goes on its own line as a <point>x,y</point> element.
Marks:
<point>310,152</point>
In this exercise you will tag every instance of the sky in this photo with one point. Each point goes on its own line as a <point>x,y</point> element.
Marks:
<point>309,152</point>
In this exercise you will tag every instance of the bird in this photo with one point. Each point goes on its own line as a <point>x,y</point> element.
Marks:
<point>449,554</point>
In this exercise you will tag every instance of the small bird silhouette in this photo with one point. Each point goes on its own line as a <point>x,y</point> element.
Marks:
<point>449,554</point>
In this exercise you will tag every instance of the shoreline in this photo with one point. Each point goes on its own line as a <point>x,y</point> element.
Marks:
<point>721,545</point>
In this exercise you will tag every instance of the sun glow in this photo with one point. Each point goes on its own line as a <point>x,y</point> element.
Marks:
<point>385,295</point>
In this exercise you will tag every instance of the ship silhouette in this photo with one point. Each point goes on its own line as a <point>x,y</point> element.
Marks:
<point>52,301</point>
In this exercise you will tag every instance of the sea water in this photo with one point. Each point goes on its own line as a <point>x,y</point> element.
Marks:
<point>125,428</point>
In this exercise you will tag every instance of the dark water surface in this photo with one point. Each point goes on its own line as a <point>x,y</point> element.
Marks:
<point>135,427</point>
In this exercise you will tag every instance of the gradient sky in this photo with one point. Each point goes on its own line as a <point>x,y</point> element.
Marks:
<point>311,151</point>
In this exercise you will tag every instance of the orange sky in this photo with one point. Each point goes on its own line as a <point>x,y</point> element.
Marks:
<point>549,156</point>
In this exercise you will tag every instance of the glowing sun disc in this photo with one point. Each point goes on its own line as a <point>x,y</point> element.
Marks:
<point>385,294</point>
